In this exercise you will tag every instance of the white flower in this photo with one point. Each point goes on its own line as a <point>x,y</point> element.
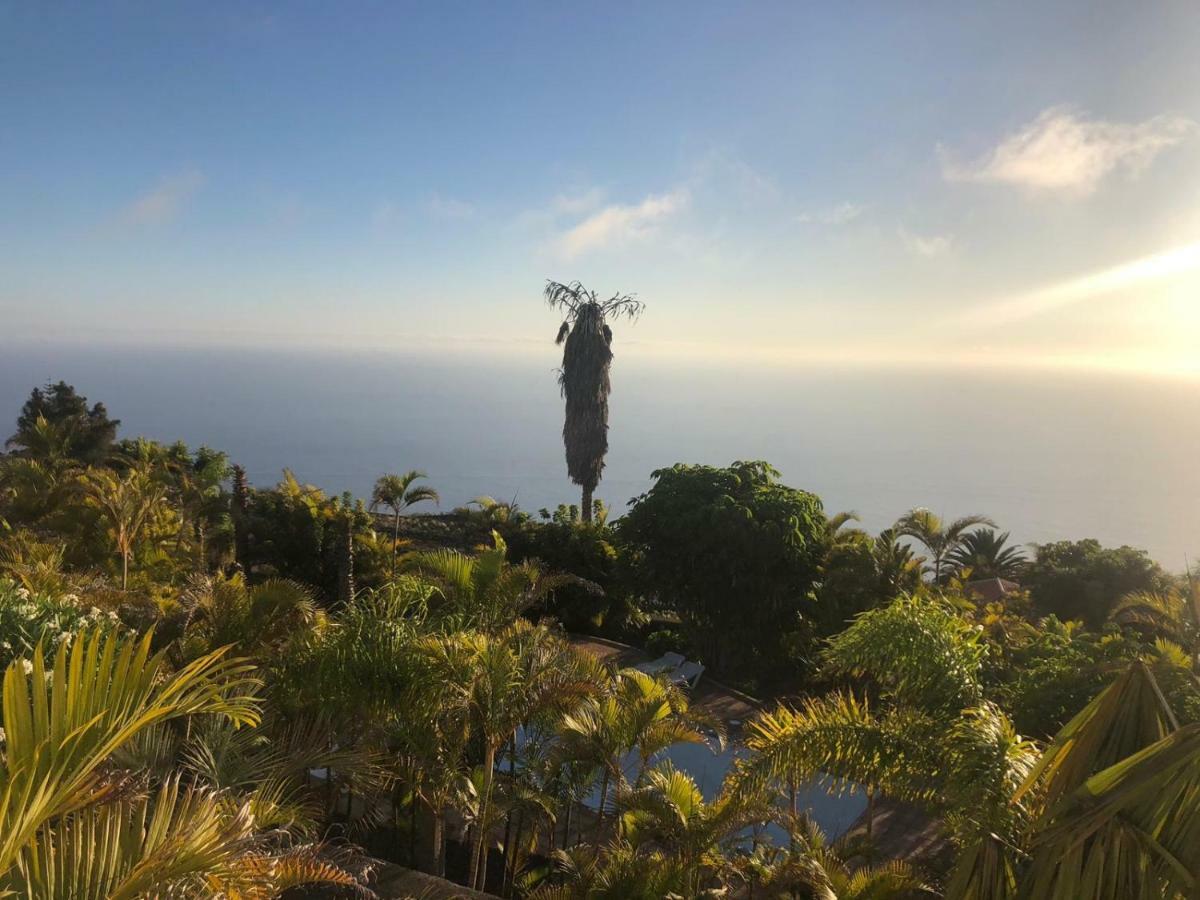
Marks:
<point>27,666</point>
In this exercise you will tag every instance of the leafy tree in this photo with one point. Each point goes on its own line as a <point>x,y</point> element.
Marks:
<point>584,377</point>
<point>1084,580</point>
<point>939,537</point>
<point>988,555</point>
<point>563,542</point>
<point>296,531</point>
<point>398,493</point>
<point>127,503</point>
<point>860,572</point>
<point>735,553</point>
<point>916,651</point>
<point>79,433</point>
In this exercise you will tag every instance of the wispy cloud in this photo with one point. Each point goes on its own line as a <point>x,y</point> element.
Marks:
<point>926,245</point>
<point>841,214</point>
<point>1161,266</point>
<point>450,208</point>
<point>163,202</point>
<point>619,224</point>
<point>566,205</point>
<point>1065,151</point>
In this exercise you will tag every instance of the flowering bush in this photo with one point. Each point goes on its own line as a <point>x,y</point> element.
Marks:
<point>26,618</point>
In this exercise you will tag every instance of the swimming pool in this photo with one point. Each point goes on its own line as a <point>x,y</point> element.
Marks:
<point>834,811</point>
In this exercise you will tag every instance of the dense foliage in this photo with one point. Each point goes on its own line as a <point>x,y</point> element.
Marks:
<point>734,553</point>
<point>1083,580</point>
<point>213,689</point>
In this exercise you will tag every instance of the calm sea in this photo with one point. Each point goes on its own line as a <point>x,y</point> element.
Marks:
<point>1046,456</point>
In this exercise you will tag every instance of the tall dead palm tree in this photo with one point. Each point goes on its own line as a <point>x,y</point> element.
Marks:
<point>584,378</point>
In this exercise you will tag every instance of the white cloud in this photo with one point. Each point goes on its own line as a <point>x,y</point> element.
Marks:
<point>578,203</point>
<point>841,214</point>
<point>927,245</point>
<point>618,224</point>
<point>1063,150</point>
<point>564,205</point>
<point>163,202</point>
<point>450,208</point>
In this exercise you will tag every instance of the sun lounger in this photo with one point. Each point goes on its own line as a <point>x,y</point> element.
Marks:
<point>664,663</point>
<point>688,674</point>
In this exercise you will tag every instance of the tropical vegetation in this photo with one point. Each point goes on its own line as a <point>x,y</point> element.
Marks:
<point>218,689</point>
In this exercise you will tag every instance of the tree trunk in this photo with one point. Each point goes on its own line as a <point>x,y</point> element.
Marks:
<point>346,579</point>
<point>567,822</point>
<point>395,539</point>
<point>508,817</point>
<point>124,570</point>
<point>793,809</point>
<point>489,763</point>
<point>412,828</point>
<point>603,800</point>
<point>241,539</point>
<point>511,873</point>
<point>439,843</point>
<point>585,505</point>
<point>871,824</point>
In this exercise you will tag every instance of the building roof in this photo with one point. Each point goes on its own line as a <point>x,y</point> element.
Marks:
<point>989,590</point>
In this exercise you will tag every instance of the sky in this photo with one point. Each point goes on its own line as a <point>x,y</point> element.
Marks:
<point>982,184</point>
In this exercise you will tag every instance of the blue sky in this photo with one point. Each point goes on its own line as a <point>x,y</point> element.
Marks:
<point>978,184</point>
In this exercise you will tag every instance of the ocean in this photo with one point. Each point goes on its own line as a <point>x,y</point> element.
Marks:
<point>1048,455</point>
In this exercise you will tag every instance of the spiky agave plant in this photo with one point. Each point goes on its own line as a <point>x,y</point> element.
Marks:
<point>584,377</point>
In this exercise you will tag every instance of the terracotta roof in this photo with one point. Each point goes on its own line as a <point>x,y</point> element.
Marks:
<point>903,831</point>
<point>989,590</point>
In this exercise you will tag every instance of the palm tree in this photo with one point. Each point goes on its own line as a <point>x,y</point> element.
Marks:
<point>1116,795</point>
<point>988,555</point>
<point>669,812</point>
<point>398,493</point>
<point>636,712</point>
<point>258,620</point>
<point>811,866</point>
<point>128,503</point>
<point>584,377</point>
<point>513,676</point>
<point>619,871</point>
<point>484,590</point>
<point>1171,616</point>
<point>939,537</point>
<point>74,821</point>
<point>899,570</point>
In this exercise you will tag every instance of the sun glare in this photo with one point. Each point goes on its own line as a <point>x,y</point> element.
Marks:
<point>1168,264</point>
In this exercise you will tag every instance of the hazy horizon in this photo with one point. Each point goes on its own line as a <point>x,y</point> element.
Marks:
<point>1081,455</point>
